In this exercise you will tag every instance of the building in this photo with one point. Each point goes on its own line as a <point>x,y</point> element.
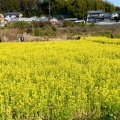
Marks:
<point>10,15</point>
<point>107,17</point>
<point>95,16</point>
<point>115,15</point>
<point>29,20</point>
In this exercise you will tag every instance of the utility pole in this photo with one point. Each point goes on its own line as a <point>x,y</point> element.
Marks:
<point>49,10</point>
<point>105,5</point>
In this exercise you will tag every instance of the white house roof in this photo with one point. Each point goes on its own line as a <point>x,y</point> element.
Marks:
<point>118,12</point>
<point>12,13</point>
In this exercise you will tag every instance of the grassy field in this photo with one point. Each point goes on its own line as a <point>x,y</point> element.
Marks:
<point>60,80</point>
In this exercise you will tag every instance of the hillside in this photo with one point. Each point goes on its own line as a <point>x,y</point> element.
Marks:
<point>57,33</point>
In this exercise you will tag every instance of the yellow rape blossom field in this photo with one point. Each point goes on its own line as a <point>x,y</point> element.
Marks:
<point>60,80</point>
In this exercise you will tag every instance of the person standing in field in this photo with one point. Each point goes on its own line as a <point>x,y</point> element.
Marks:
<point>78,38</point>
<point>112,36</point>
<point>21,39</point>
<point>0,39</point>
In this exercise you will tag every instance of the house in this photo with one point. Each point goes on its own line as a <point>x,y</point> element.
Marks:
<point>29,20</point>
<point>10,15</point>
<point>13,19</point>
<point>107,17</point>
<point>115,15</point>
<point>95,16</point>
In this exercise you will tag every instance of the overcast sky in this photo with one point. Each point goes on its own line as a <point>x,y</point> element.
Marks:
<point>115,2</point>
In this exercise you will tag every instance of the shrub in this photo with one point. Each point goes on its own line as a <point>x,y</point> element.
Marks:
<point>37,32</point>
<point>68,23</point>
<point>10,25</point>
<point>44,23</point>
<point>83,23</point>
<point>35,24</point>
<point>48,31</point>
<point>92,24</point>
<point>54,28</point>
<point>117,35</point>
<point>22,25</point>
<point>41,24</point>
<point>105,34</point>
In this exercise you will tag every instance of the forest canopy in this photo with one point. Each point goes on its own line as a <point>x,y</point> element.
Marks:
<point>68,8</point>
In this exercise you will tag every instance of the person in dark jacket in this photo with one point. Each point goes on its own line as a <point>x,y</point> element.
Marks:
<point>112,36</point>
<point>21,39</point>
<point>78,38</point>
<point>0,39</point>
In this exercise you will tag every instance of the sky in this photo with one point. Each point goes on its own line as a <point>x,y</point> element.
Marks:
<point>115,2</point>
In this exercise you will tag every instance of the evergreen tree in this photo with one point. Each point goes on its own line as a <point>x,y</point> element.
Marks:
<point>68,8</point>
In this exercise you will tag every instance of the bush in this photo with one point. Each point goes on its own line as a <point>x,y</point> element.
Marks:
<point>10,25</point>
<point>68,23</point>
<point>37,32</point>
<point>48,31</point>
<point>35,24</point>
<point>92,24</point>
<point>54,28</point>
<point>45,24</point>
<point>41,24</point>
<point>83,23</point>
<point>117,35</point>
<point>21,25</point>
<point>105,34</point>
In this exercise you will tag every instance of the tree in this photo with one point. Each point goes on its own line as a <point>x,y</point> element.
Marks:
<point>28,7</point>
<point>9,5</point>
<point>68,8</point>
<point>117,8</point>
<point>79,8</point>
<point>109,7</point>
